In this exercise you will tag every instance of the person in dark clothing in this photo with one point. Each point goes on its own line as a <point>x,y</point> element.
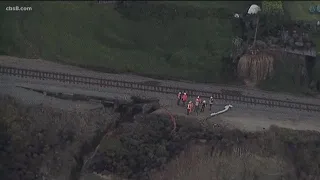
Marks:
<point>203,105</point>
<point>179,98</point>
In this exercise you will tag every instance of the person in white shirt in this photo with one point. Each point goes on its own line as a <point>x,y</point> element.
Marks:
<point>211,101</point>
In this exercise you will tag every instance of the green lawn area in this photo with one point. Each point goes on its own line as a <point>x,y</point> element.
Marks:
<point>87,33</point>
<point>231,6</point>
<point>299,10</point>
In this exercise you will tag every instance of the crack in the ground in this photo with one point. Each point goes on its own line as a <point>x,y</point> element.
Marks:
<point>106,102</point>
<point>86,149</point>
<point>127,111</point>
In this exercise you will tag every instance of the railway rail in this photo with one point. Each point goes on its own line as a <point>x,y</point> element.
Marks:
<point>103,82</point>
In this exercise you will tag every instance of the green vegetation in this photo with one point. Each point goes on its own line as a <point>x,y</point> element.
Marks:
<point>299,10</point>
<point>272,7</point>
<point>167,39</point>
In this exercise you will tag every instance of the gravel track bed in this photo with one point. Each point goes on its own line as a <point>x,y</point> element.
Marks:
<point>51,66</point>
<point>242,116</point>
<point>167,100</point>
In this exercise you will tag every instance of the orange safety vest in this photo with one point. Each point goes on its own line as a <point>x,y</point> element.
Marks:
<point>184,97</point>
<point>189,106</point>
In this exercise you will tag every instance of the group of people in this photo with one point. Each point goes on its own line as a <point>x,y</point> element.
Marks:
<point>199,105</point>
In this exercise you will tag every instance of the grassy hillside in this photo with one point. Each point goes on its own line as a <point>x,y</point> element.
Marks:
<point>169,39</point>
<point>299,11</point>
<point>166,39</point>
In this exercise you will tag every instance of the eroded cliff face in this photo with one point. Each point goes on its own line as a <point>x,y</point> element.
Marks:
<point>146,149</point>
<point>40,142</point>
<point>43,143</point>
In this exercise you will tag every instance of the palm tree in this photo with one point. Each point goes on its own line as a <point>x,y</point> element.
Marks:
<point>254,10</point>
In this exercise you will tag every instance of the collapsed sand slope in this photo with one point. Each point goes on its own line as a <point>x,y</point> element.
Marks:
<point>223,153</point>
<point>197,163</point>
<point>133,133</point>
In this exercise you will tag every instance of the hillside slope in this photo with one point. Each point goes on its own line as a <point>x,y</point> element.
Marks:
<point>300,11</point>
<point>167,39</point>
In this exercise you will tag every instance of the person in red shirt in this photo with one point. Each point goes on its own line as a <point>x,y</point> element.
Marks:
<point>197,105</point>
<point>184,98</point>
<point>189,108</point>
<point>198,99</point>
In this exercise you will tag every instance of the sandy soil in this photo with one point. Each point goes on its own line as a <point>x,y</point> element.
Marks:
<point>33,98</point>
<point>257,120</point>
<point>51,66</point>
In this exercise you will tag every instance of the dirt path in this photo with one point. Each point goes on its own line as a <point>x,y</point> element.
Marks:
<point>260,120</point>
<point>51,66</point>
<point>255,120</point>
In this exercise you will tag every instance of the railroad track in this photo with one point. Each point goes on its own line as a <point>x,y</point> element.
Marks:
<point>102,82</point>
